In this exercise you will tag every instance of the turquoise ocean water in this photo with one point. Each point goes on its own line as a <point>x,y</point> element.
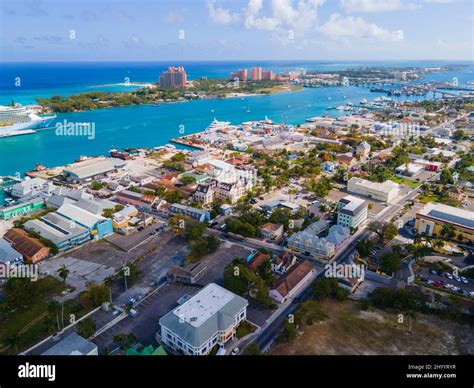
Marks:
<point>149,126</point>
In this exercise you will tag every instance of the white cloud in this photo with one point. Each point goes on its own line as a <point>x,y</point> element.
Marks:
<point>272,15</point>
<point>220,15</point>
<point>378,5</point>
<point>342,28</point>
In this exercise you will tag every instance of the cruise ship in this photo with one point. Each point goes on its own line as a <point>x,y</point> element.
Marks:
<point>19,120</point>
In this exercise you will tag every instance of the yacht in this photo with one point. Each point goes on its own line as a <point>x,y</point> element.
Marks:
<point>217,125</point>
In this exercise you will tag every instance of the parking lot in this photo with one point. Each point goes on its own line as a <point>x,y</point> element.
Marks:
<point>216,261</point>
<point>81,272</point>
<point>447,282</point>
<point>136,238</point>
<point>145,325</point>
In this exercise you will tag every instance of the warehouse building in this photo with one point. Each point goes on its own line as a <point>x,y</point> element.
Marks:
<point>59,230</point>
<point>384,192</point>
<point>97,225</point>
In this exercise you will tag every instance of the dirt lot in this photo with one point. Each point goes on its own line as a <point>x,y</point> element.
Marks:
<point>350,331</point>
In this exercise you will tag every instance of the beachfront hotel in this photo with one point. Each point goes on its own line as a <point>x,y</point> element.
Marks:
<point>174,77</point>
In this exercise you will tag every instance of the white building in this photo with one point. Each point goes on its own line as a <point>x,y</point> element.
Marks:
<point>363,150</point>
<point>385,192</point>
<point>208,319</point>
<point>292,282</point>
<point>206,193</point>
<point>410,169</point>
<point>310,244</point>
<point>352,212</point>
<point>73,345</point>
<point>28,188</point>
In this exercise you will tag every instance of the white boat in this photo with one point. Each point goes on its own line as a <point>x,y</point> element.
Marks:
<point>217,125</point>
<point>16,119</point>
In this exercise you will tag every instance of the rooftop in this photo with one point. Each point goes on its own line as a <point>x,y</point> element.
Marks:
<point>55,227</point>
<point>7,253</point>
<point>211,310</point>
<point>450,214</point>
<point>71,345</point>
<point>79,215</point>
<point>95,166</point>
<point>385,187</point>
<point>352,205</point>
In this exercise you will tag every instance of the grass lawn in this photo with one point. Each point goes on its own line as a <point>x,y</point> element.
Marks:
<point>404,181</point>
<point>281,88</point>
<point>349,330</point>
<point>428,198</point>
<point>244,329</point>
<point>32,322</point>
<point>438,199</point>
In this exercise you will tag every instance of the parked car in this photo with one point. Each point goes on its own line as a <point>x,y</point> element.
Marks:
<point>448,275</point>
<point>439,283</point>
<point>433,272</point>
<point>464,280</point>
<point>235,351</point>
<point>457,278</point>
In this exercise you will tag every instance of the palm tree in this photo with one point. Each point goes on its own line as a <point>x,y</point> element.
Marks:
<point>12,341</point>
<point>109,281</point>
<point>411,317</point>
<point>63,273</point>
<point>417,239</point>
<point>448,231</point>
<point>53,308</point>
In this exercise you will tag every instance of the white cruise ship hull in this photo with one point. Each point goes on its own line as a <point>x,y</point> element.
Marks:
<point>30,126</point>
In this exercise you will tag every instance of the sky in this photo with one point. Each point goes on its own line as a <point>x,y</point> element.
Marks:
<point>154,30</point>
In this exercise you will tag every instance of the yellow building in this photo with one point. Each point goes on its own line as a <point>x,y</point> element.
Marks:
<point>457,194</point>
<point>436,219</point>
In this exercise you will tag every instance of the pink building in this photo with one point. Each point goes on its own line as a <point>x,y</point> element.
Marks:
<point>175,77</point>
<point>243,75</point>
<point>256,74</point>
<point>268,75</point>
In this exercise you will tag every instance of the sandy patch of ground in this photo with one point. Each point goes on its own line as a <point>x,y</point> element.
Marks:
<point>350,331</point>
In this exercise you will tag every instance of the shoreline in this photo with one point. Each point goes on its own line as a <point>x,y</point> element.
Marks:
<point>289,89</point>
